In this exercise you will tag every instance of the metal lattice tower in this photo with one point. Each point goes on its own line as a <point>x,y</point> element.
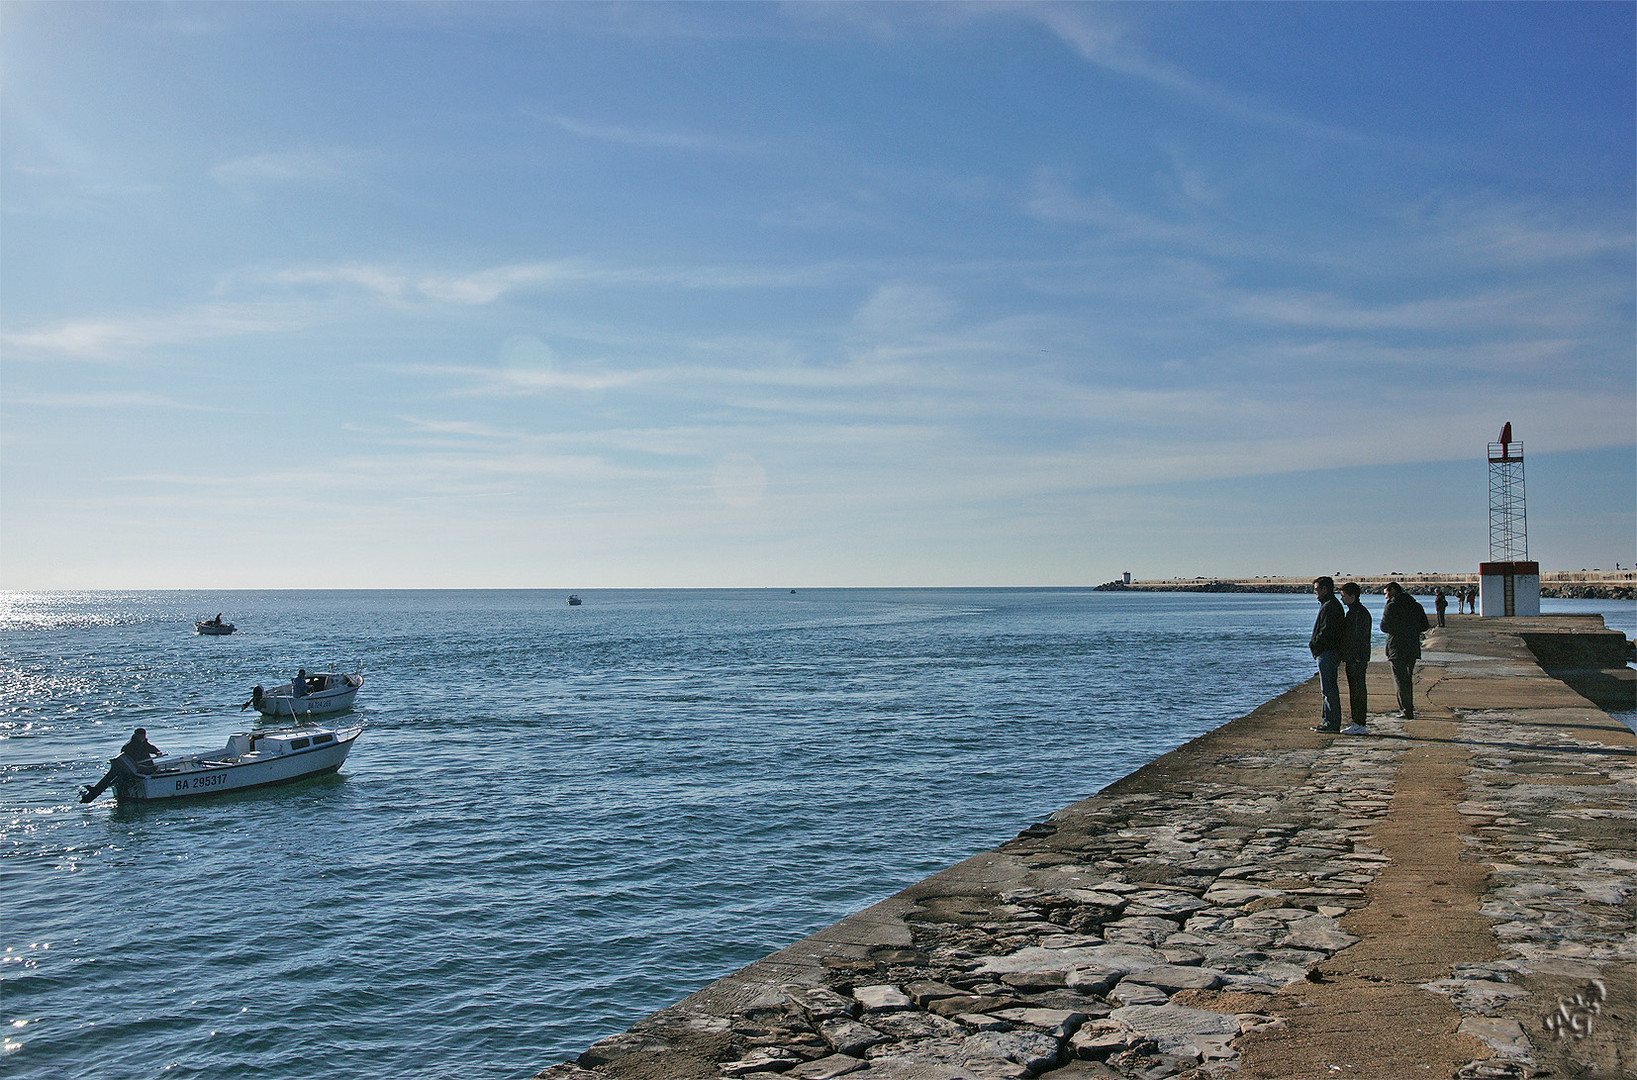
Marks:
<point>1508,524</point>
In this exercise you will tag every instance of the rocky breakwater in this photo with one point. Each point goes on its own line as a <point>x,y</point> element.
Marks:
<point>1264,902</point>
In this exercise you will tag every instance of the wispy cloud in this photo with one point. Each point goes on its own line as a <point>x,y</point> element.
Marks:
<point>486,286</point>
<point>112,399</point>
<point>653,138</point>
<point>1101,36</point>
<point>278,168</point>
<point>1517,233</point>
<point>115,338</point>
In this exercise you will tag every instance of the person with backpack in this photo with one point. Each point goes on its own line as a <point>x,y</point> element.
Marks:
<point>1403,620</point>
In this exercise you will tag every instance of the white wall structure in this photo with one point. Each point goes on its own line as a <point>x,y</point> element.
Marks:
<point>1509,588</point>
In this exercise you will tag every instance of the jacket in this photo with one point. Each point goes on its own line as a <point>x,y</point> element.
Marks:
<point>1355,642</point>
<point>1328,628</point>
<point>1403,620</point>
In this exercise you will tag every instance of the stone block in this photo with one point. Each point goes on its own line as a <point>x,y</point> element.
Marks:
<point>926,990</point>
<point>881,998</point>
<point>1172,977</point>
<point>849,1037</point>
<point>819,1003</point>
<point>826,1068</point>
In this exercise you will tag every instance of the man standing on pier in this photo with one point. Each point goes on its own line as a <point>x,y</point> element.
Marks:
<point>1355,655</point>
<point>1329,629</point>
<point>1403,620</point>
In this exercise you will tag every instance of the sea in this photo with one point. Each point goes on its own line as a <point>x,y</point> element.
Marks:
<point>558,819</point>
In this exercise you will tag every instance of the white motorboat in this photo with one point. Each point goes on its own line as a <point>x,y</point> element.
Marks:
<point>213,627</point>
<point>261,757</point>
<point>323,692</point>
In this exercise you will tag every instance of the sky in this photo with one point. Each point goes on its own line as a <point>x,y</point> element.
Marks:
<point>327,295</point>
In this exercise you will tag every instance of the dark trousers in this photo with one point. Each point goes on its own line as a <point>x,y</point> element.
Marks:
<point>1330,688</point>
<point>1357,699</point>
<point>1403,682</point>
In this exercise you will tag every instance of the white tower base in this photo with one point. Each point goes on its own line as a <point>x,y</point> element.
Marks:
<point>1509,588</point>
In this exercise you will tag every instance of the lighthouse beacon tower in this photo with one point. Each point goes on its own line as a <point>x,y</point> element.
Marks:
<point>1509,584</point>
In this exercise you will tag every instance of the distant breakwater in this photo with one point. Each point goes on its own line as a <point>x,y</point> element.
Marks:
<point>1561,586</point>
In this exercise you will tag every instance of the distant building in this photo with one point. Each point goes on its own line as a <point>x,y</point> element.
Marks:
<point>1126,577</point>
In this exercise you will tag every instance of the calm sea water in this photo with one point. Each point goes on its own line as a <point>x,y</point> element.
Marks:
<point>558,819</point>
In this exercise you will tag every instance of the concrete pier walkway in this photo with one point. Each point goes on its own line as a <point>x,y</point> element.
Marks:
<point>1453,895</point>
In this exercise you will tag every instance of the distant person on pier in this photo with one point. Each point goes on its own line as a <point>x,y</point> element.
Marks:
<point>1355,656</point>
<point>1329,629</point>
<point>1403,620</point>
<point>1441,602</point>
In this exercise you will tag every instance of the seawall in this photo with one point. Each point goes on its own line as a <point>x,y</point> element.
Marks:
<point>1452,895</point>
<point>1554,584</point>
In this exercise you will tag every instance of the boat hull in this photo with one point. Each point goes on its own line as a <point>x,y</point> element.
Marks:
<point>195,775</point>
<point>214,629</point>
<point>283,702</point>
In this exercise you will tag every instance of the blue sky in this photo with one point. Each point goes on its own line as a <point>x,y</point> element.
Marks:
<point>579,295</point>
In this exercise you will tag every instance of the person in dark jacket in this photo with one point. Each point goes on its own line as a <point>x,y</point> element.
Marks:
<point>139,750</point>
<point>1325,644</point>
<point>1355,656</point>
<point>1403,620</point>
<point>1441,602</point>
<point>135,756</point>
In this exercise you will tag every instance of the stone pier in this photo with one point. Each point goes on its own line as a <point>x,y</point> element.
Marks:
<point>1452,895</point>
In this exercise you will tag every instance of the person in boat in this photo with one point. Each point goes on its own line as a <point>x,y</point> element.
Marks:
<point>218,618</point>
<point>299,685</point>
<point>136,756</point>
<point>139,751</point>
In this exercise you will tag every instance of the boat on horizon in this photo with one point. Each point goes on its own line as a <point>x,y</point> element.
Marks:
<point>574,600</point>
<point>213,627</point>
<point>323,692</point>
<point>260,757</point>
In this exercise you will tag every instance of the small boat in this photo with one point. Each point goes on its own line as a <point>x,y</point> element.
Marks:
<point>324,692</point>
<point>261,757</point>
<point>574,601</point>
<point>213,627</point>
